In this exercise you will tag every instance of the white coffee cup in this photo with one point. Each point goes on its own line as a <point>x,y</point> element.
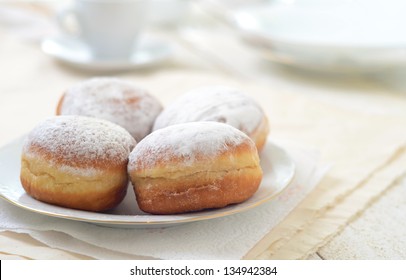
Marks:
<point>109,27</point>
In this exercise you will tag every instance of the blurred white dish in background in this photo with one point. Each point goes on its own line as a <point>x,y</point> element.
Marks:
<point>167,12</point>
<point>328,35</point>
<point>74,52</point>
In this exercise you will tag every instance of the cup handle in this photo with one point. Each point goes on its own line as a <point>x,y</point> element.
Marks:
<point>62,18</point>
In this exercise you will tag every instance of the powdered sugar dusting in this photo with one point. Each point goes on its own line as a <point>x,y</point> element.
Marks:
<point>185,141</point>
<point>216,103</point>
<point>79,142</point>
<point>114,100</point>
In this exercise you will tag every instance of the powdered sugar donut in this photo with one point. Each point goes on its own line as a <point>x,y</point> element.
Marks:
<point>220,104</point>
<point>77,162</point>
<point>115,100</point>
<point>194,166</point>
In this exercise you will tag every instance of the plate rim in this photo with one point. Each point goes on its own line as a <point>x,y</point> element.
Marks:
<point>151,223</point>
<point>234,18</point>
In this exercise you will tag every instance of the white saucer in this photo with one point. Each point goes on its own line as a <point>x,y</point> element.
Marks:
<point>333,35</point>
<point>72,51</point>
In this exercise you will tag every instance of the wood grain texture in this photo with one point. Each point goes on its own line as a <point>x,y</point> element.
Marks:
<point>25,247</point>
<point>355,121</point>
<point>377,234</point>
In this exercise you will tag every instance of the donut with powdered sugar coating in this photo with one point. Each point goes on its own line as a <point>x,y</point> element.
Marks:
<point>76,162</point>
<point>220,104</point>
<point>194,166</point>
<point>116,100</point>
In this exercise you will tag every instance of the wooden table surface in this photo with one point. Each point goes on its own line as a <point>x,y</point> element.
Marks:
<point>212,46</point>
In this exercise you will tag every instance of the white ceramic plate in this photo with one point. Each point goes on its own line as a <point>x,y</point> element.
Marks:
<point>334,35</point>
<point>72,51</point>
<point>278,170</point>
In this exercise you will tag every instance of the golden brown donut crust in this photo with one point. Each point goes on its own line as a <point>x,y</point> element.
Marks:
<point>47,183</point>
<point>76,162</point>
<point>202,190</point>
<point>260,134</point>
<point>171,187</point>
<point>59,105</point>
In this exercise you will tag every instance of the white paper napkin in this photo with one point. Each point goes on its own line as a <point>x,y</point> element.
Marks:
<point>223,238</point>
